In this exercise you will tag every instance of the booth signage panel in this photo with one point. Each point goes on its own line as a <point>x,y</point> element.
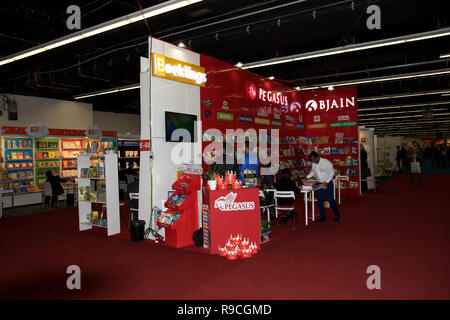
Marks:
<point>144,145</point>
<point>343,124</point>
<point>177,70</point>
<point>233,212</point>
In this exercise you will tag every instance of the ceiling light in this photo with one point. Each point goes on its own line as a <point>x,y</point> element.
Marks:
<point>395,112</point>
<point>271,78</point>
<point>181,45</point>
<point>382,79</point>
<point>331,88</point>
<point>447,55</point>
<point>414,94</point>
<point>350,48</point>
<point>297,88</point>
<point>239,64</point>
<point>424,104</point>
<point>100,28</point>
<point>107,91</point>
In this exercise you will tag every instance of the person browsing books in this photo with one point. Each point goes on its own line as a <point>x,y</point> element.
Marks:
<point>55,183</point>
<point>323,170</point>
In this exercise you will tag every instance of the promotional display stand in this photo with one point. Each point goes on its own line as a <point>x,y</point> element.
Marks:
<point>231,212</point>
<point>180,219</point>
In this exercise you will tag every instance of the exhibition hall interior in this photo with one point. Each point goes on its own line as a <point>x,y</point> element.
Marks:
<point>224,150</point>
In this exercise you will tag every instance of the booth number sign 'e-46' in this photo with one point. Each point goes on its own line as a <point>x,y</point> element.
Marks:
<point>176,70</point>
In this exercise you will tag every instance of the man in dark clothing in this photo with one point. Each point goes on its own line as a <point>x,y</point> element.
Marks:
<point>55,182</point>
<point>134,188</point>
<point>229,161</point>
<point>404,156</point>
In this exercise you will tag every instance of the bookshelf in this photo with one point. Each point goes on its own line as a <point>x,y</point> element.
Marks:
<point>98,183</point>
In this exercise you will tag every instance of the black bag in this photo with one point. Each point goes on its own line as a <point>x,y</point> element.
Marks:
<point>198,237</point>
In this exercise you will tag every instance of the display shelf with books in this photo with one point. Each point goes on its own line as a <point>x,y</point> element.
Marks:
<point>70,150</point>
<point>17,156</point>
<point>98,183</point>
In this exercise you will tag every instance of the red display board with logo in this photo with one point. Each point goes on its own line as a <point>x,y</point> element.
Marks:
<point>231,212</point>
<point>331,118</point>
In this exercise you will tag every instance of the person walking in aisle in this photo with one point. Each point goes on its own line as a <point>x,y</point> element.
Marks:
<point>415,155</point>
<point>323,170</point>
<point>398,158</point>
<point>404,156</point>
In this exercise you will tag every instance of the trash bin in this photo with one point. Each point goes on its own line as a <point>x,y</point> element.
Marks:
<point>137,229</point>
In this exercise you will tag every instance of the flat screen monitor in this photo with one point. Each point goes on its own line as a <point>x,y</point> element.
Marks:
<point>183,121</point>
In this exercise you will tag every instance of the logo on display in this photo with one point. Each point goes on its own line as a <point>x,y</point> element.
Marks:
<point>311,105</point>
<point>328,104</point>
<point>227,203</point>
<point>289,118</point>
<point>252,91</point>
<point>93,132</point>
<point>316,118</point>
<point>300,118</point>
<point>37,130</point>
<point>295,106</point>
<point>225,105</point>
<point>275,97</point>
<point>176,70</point>
<point>207,114</point>
<point>245,119</point>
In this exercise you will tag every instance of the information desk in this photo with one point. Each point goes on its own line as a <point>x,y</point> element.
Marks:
<point>230,212</point>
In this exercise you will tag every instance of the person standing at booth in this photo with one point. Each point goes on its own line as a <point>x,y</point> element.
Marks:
<point>229,161</point>
<point>248,163</point>
<point>323,170</point>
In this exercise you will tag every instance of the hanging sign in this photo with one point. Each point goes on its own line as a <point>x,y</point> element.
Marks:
<point>37,130</point>
<point>93,132</point>
<point>427,113</point>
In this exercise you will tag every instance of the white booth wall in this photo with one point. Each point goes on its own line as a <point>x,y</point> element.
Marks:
<point>167,95</point>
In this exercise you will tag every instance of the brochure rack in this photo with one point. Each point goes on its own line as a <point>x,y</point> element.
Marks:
<point>180,218</point>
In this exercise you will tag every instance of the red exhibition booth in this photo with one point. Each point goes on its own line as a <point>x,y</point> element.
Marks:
<point>325,121</point>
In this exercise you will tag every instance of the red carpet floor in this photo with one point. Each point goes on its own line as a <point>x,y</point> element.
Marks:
<point>401,228</point>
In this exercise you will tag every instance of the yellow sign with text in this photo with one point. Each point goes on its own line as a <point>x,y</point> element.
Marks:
<point>176,70</point>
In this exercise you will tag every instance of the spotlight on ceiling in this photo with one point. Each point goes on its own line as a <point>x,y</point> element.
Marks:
<point>297,88</point>
<point>239,64</point>
<point>181,45</point>
<point>271,78</point>
<point>331,88</point>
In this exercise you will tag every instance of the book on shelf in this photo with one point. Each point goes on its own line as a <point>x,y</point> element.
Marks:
<point>339,137</point>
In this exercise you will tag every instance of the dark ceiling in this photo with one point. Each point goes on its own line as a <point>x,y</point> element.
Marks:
<point>236,31</point>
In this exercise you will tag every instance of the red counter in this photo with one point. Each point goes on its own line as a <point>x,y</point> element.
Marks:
<point>231,211</point>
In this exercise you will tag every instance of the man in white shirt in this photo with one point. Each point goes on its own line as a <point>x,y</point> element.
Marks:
<point>323,170</point>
